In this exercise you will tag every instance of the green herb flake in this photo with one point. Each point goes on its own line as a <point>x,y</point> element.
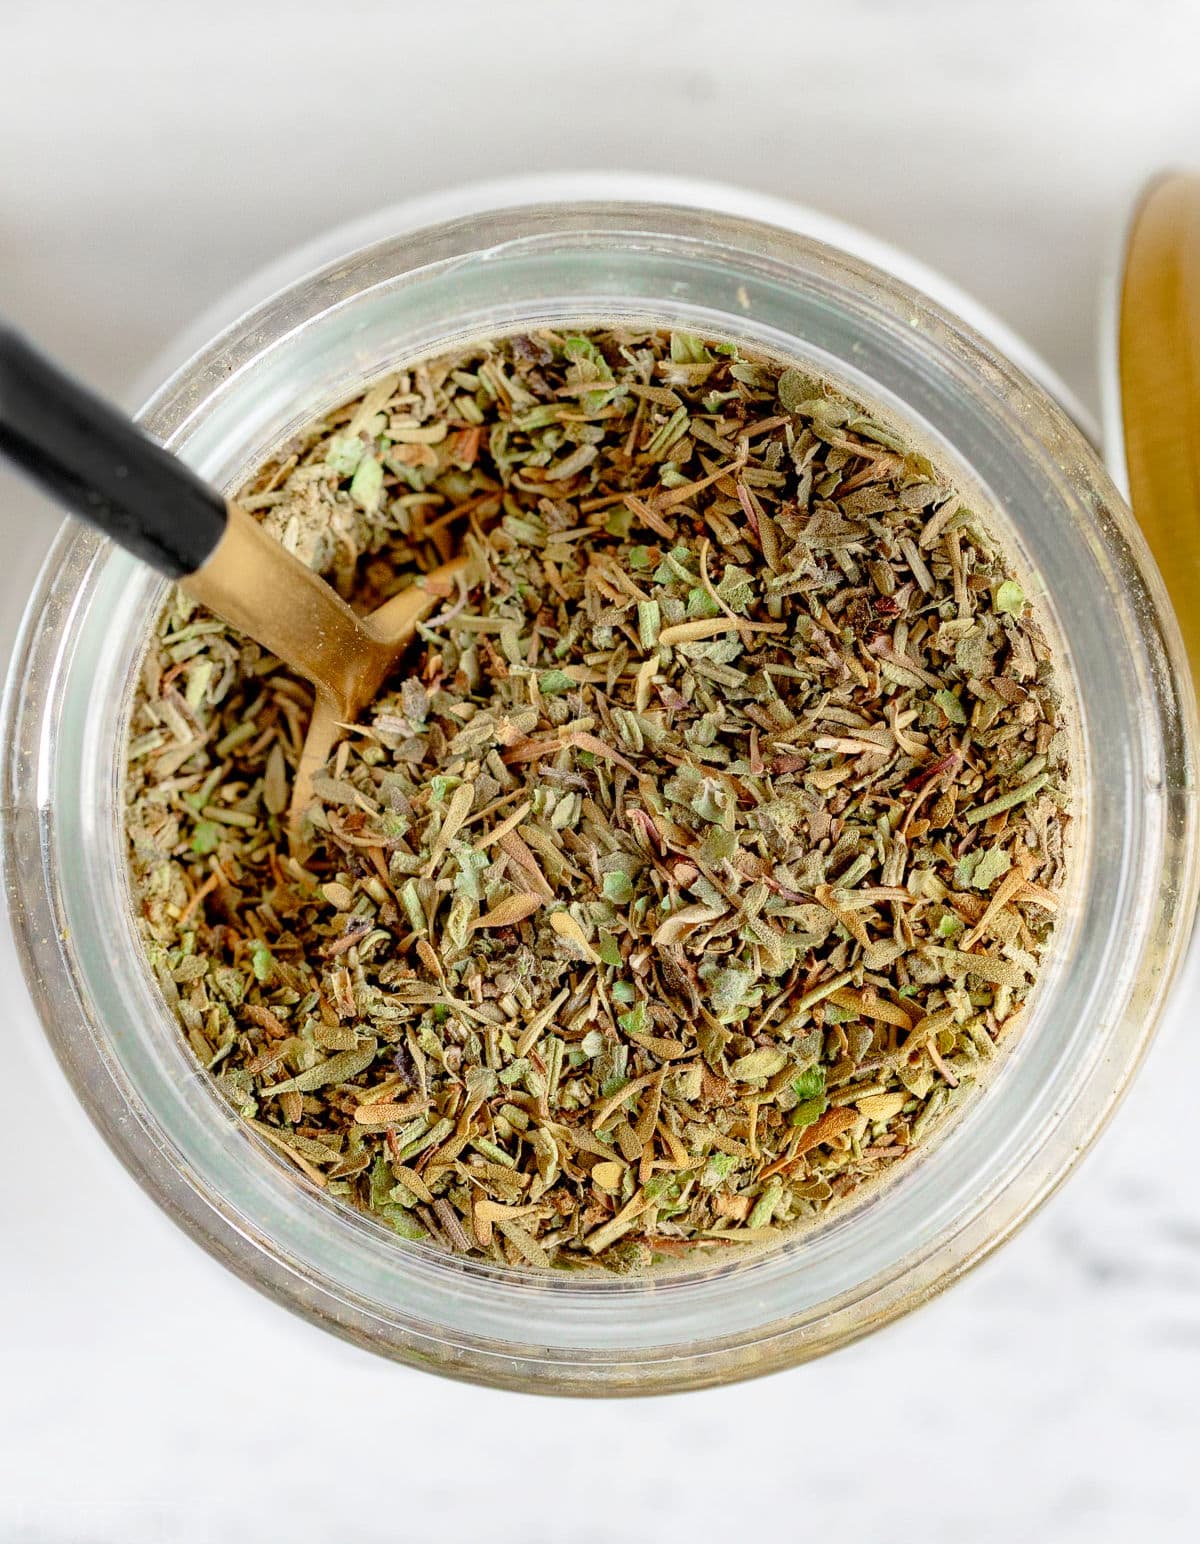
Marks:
<point>366,487</point>
<point>1009,598</point>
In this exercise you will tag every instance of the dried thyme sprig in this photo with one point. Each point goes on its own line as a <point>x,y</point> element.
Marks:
<point>695,868</point>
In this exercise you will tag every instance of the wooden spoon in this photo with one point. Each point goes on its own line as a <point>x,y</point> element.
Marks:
<point>100,466</point>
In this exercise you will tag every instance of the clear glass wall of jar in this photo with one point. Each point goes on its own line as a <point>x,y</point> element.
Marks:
<point>1125,919</point>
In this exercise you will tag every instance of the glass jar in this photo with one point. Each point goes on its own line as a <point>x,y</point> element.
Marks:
<point>434,283</point>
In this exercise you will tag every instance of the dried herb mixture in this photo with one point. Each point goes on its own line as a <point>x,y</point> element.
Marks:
<point>696,866</point>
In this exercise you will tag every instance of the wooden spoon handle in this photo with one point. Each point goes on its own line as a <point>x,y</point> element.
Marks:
<point>92,459</point>
<point>255,583</point>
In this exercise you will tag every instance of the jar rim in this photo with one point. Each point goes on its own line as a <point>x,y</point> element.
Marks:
<point>398,298</point>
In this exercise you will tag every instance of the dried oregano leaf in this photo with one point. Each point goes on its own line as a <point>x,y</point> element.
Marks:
<point>338,1069</point>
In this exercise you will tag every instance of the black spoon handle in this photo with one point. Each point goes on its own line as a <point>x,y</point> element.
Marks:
<point>98,464</point>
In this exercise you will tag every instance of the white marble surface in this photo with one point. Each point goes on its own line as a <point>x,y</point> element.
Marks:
<point>151,155</point>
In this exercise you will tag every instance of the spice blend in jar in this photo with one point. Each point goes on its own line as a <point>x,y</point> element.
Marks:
<point>693,868</point>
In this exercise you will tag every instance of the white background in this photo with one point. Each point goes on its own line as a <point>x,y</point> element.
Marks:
<point>153,154</point>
